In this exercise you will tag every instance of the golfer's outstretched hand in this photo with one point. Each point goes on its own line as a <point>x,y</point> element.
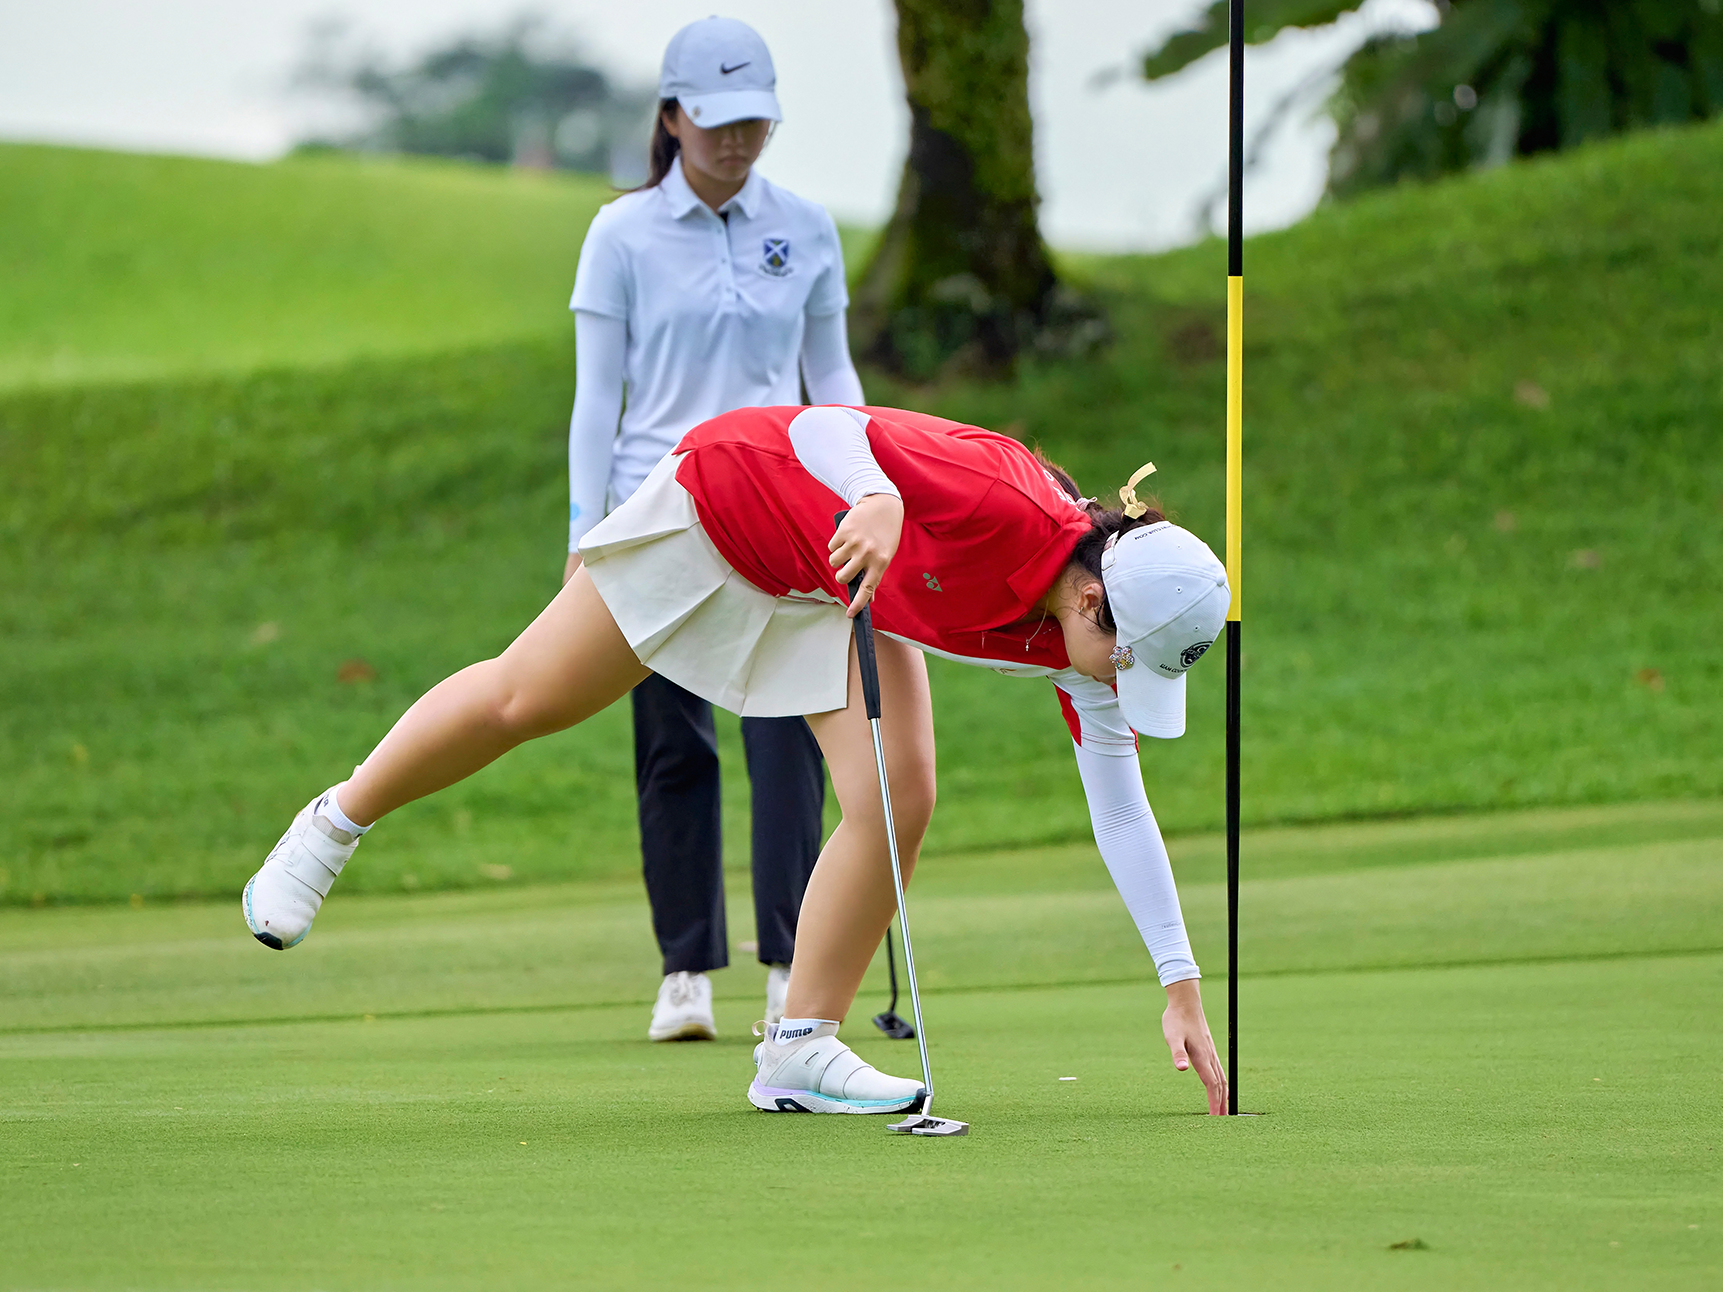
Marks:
<point>1187,1036</point>
<point>865,543</point>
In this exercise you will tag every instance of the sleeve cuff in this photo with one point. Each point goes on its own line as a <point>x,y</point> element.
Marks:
<point>605,310</point>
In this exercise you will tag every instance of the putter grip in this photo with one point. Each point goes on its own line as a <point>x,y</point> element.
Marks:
<point>864,642</point>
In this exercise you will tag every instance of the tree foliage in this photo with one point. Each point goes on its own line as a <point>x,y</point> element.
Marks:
<point>518,95</point>
<point>1494,79</point>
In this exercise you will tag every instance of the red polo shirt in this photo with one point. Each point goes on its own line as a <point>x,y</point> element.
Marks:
<point>986,530</point>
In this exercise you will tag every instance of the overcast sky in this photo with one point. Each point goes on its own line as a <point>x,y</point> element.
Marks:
<point>1124,166</point>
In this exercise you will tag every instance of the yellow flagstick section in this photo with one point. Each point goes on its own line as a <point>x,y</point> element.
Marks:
<point>1234,442</point>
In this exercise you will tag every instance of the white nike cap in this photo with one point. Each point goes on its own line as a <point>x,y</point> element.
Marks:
<point>720,71</point>
<point>1169,598</point>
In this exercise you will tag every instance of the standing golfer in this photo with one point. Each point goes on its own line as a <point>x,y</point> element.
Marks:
<point>723,574</point>
<point>709,288</point>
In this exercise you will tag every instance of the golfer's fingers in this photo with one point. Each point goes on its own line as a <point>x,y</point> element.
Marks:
<point>864,594</point>
<point>1214,1081</point>
<point>1181,1056</point>
<point>860,558</point>
<point>851,553</point>
<point>1208,1068</point>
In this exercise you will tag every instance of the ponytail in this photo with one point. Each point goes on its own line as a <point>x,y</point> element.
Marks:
<point>662,153</point>
<point>1105,524</point>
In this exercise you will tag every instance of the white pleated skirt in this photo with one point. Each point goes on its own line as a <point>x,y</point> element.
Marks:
<point>693,619</point>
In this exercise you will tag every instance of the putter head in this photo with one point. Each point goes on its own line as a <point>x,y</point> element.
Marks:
<point>893,1026</point>
<point>922,1124</point>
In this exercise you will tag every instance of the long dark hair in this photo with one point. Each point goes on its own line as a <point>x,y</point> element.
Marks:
<point>1105,523</point>
<point>662,154</point>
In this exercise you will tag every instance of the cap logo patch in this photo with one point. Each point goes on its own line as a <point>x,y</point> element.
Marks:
<point>1122,658</point>
<point>775,258</point>
<point>725,71</point>
<point>1193,653</point>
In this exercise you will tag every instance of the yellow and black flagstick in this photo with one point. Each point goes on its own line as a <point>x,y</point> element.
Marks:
<point>1234,512</point>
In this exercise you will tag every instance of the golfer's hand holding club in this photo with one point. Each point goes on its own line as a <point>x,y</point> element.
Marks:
<point>865,541</point>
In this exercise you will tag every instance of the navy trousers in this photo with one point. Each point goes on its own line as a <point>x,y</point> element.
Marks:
<point>681,837</point>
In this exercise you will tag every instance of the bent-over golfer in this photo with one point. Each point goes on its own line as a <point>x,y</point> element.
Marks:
<point>723,574</point>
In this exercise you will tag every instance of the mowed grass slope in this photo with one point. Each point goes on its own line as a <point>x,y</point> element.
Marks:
<point>1485,506</point>
<point>120,266</point>
<point>1481,1048</point>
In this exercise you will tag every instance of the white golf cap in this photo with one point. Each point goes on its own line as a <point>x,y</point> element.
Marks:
<point>1169,598</point>
<point>720,71</point>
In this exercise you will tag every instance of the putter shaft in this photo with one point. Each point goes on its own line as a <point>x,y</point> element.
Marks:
<point>902,913</point>
<point>921,1122</point>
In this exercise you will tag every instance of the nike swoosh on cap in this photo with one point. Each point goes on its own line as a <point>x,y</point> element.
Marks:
<point>727,70</point>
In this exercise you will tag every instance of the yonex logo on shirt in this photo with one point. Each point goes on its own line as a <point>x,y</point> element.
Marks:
<point>932,583</point>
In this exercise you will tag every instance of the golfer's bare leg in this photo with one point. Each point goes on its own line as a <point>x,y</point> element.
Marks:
<point>570,662</point>
<point>849,901</point>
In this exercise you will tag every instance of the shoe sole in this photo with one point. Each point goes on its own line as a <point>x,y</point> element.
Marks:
<point>692,1031</point>
<point>772,1099</point>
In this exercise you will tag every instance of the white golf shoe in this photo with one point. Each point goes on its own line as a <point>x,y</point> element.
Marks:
<point>820,1074</point>
<point>283,897</point>
<point>777,991</point>
<point>683,1010</point>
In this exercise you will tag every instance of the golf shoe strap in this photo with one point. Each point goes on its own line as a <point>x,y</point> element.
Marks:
<point>315,851</point>
<point>826,1066</point>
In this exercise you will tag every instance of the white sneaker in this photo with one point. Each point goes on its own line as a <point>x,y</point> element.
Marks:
<point>283,897</point>
<point>683,1010</point>
<point>820,1074</point>
<point>777,989</point>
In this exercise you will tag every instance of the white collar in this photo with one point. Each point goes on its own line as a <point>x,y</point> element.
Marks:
<point>684,200</point>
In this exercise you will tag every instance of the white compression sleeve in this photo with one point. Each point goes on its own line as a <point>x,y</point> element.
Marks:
<point>1136,857</point>
<point>832,444</point>
<point>827,370</point>
<point>601,345</point>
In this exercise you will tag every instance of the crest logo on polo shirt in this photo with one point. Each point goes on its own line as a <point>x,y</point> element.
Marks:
<point>775,258</point>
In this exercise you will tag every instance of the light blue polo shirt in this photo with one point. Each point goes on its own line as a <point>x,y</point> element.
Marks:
<point>714,305</point>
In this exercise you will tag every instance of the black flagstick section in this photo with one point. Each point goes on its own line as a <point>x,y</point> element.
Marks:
<point>1232,662</point>
<point>1234,269</point>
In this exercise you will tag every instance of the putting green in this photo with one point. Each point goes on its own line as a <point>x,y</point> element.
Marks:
<point>1505,1056</point>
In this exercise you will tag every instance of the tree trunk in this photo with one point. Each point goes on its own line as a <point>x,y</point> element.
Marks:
<point>961,277</point>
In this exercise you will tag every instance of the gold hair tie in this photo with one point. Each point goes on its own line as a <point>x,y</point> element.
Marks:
<point>1128,495</point>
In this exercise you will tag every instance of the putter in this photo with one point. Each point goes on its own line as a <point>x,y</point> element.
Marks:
<point>890,1022</point>
<point>922,1122</point>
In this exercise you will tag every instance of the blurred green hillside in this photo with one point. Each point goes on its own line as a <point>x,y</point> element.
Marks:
<point>1483,544</point>
<point>125,266</point>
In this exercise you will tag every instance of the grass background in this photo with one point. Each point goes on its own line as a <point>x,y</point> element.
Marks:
<point>1487,1036</point>
<point>122,266</point>
<point>1485,508</point>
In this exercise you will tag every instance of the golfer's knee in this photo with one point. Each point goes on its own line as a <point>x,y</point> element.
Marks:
<point>525,711</point>
<point>913,794</point>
